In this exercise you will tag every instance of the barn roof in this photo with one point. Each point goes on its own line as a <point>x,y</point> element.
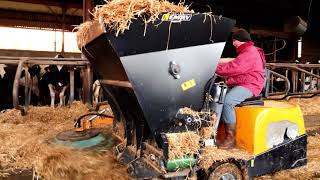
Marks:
<point>263,15</point>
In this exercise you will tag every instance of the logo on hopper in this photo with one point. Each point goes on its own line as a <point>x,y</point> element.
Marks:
<point>176,17</point>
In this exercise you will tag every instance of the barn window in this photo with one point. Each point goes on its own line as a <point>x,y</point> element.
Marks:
<point>36,40</point>
<point>299,47</point>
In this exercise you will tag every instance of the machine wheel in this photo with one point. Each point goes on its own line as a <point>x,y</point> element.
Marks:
<point>226,171</point>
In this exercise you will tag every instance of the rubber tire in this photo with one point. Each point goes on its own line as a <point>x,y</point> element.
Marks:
<point>225,168</point>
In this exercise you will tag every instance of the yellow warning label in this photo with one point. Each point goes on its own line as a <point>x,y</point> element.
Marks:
<point>252,163</point>
<point>165,17</point>
<point>188,84</point>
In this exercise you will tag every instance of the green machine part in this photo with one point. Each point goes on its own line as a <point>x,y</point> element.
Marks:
<point>181,163</point>
<point>82,143</point>
<point>84,139</point>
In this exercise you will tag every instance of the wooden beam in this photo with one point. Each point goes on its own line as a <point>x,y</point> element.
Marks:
<point>11,18</point>
<point>87,6</point>
<point>266,31</point>
<point>87,73</point>
<point>52,3</point>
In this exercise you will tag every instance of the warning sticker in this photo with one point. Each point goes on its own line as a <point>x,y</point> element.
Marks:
<point>188,84</point>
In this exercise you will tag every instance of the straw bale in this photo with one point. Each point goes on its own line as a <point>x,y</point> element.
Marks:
<point>24,145</point>
<point>87,32</point>
<point>181,144</point>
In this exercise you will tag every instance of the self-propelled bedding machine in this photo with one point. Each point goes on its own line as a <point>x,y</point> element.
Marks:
<point>152,72</point>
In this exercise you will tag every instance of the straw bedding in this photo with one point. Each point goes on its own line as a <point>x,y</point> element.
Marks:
<point>309,106</point>
<point>117,15</point>
<point>24,146</point>
<point>212,154</point>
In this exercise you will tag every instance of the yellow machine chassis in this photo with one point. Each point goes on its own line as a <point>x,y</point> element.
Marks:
<point>253,122</point>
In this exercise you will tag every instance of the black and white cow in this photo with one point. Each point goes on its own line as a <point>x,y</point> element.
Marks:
<point>54,82</point>
<point>311,84</point>
<point>47,84</point>
<point>7,86</point>
<point>33,84</point>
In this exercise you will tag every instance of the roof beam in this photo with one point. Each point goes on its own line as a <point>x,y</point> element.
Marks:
<point>11,18</point>
<point>52,3</point>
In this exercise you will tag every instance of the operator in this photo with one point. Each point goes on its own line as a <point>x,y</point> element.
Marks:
<point>245,78</point>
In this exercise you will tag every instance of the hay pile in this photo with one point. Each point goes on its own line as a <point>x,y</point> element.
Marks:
<point>117,15</point>
<point>24,146</point>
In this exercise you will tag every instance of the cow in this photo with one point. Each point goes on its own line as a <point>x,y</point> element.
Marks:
<point>96,89</point>
<point>311,84</point>
<point>54,81</point>
<point>46,84</point>
<point>7,87</point>
<point>7,82</point>
<point>33,84</point>
<point>78,83</point>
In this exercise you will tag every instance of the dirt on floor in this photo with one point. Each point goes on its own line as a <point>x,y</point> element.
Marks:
<point>24,145</point>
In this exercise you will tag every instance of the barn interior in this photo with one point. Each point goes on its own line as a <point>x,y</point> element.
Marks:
<point>286,30</point>
<point>266,20</point>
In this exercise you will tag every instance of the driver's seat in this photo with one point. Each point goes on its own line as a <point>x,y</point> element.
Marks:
<point>257,100</point>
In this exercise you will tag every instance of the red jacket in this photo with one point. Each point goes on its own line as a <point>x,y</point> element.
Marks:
<point>246,70</point>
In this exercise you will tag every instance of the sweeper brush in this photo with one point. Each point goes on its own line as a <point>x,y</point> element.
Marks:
<point>86,133</point>
<point>79,140</point>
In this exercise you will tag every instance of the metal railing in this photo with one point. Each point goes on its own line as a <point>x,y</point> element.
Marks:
<point>25,62</point>
<point>293,80</point>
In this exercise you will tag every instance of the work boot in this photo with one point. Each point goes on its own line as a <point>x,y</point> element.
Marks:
<point>230,137</point>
